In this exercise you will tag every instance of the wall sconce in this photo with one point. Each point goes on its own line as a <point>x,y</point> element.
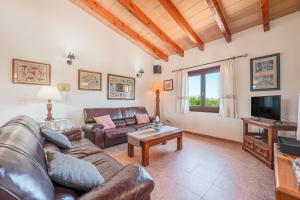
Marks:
<point>64,87</point>
<point>70,57</point>
<point>140,73</point>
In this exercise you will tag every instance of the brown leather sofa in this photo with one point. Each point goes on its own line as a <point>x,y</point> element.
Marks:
<point>124,119</point>
<point>23,173</point>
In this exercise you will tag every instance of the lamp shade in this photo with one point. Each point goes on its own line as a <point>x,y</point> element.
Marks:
<point>49,93</point>
<point>157,86</point>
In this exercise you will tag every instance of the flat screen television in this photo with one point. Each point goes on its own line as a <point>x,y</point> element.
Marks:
<point>266,107</point>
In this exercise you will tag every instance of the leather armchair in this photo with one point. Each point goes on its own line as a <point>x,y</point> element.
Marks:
<point>120,186</point>
<point>95,133</point>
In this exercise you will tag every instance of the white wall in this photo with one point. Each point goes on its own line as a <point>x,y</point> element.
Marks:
<point>45,31</point>
<point>284,38</point>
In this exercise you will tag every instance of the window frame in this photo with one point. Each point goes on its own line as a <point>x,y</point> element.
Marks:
<point>202,73</point>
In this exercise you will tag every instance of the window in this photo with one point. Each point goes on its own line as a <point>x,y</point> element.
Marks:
<point>204,90</point>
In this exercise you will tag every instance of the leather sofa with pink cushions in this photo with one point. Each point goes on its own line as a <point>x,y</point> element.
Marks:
<point>123,118</point>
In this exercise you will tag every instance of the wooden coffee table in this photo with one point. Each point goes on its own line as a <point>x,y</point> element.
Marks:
<point>150,137</point>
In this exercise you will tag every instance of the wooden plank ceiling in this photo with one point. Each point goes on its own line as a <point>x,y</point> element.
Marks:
<point>167,27</point>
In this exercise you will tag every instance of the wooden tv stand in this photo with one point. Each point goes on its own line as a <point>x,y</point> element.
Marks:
<point>261,144</point>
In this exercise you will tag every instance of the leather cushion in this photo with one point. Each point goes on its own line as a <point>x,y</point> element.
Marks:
<point>72,172</point>
<point>130,183</point>
<point>119,123</point>
<point>129,112</point>
<point>57,138</point>
<point>82,148</point>
<point>118,132</point>
<point>86,150</point>
<point>130,121</point>
<point>90,113</point>
<point>106,165</point>
<point>141,126</point>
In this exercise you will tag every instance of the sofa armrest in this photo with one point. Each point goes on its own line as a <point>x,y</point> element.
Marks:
<point>92,127</point>
<point>73,133</point>
<point>94,132</point>
<point>152,118</point>
<point>130,183</point>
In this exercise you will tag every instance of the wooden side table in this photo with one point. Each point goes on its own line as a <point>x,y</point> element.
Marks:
<point>58,124</point>
<point>261,144</point>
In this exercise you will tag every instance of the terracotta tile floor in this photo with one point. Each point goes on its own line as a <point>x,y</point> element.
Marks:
<point>205,169</point>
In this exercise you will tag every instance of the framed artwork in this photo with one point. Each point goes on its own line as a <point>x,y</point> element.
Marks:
<point>89,80</point>
<point>120,87</point>
<point>28,72</point>
<point>168,85</point>
<point>265,73</point>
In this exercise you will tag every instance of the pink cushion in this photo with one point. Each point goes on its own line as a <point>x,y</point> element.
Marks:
<point>142,118</point>
<point>105,121</point>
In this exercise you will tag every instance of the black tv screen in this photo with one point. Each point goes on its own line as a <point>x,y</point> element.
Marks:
<point>266,107</point>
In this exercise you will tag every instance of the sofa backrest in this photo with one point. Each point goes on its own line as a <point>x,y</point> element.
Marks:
<point>23,172</point>
<point>115,113</point>
<point>132,111</point>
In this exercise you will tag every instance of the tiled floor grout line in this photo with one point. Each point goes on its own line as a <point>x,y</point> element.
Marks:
<point>212,183</point>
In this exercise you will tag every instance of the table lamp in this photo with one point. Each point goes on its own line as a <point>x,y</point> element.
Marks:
<point>49,93</point>
<point>157,87</point>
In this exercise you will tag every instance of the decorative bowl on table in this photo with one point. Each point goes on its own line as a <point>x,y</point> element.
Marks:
<point>157,126</point>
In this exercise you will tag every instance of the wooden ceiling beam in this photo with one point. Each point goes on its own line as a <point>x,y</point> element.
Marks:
<point>179,19</point>
<point>265,11</point>
<point>100,10</point>
<point>139,14</point>
<point>220,19</point>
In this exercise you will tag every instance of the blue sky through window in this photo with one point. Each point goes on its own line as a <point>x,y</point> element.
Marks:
<point>194,86</point>
<point>212,85</point>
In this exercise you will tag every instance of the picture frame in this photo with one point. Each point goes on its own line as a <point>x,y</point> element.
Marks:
<point>120,87</point>
<point>168,85</point>
<point>29,72</point>
<point>89,80</point>
<point>265,73</point>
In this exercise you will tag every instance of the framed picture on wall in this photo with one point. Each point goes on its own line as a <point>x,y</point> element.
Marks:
<point>265,73</point>
<point>89,80</point>
<point>28,72</point>
<point>120,87</point>
<point>168,85</point>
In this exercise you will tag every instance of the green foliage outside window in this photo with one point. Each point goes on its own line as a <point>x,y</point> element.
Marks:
<point>195,101</point>
<point>209,102</point>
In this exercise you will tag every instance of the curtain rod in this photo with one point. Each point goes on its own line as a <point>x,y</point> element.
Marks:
<point>234,57</point>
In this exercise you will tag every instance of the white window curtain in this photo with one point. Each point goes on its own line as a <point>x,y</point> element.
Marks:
<point>228,104</point>
<point>182,92</point>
